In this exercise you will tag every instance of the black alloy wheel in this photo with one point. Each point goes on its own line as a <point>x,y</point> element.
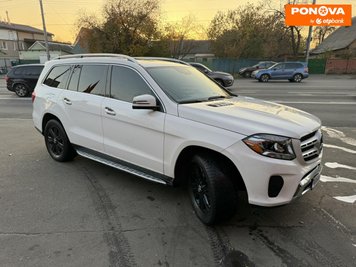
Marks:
<point>57,142</point>
<point>212,193</point>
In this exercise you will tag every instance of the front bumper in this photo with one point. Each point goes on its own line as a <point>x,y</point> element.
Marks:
<point>258,172</point>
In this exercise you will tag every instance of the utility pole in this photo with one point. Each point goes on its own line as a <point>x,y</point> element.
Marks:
<point>44,30</point>
<point>309,40</point>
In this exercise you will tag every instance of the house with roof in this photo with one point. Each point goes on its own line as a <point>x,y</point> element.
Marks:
<point>37,52</point>
<point>15,38</point>
<point>340,44</point>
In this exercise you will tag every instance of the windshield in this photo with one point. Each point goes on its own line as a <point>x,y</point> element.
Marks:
<point>185,84</point>
<point>273,66</point>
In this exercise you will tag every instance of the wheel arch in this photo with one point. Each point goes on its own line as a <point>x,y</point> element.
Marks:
<point>47,117</point>
<point>223,161</point>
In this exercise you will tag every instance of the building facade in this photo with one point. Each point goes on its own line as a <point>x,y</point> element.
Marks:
<point>15,38</point>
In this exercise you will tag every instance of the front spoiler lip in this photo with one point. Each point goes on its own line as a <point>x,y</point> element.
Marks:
<point>308,182</point>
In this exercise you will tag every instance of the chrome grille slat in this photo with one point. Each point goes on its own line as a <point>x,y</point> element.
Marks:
<point>311,145</point>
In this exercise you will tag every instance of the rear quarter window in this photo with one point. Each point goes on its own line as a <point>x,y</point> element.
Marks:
<point>58,76</point>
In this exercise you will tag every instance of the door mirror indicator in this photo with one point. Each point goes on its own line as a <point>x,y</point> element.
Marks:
<point>145,102</point>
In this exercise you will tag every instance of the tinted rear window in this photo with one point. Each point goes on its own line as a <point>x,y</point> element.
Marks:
<point>58,77</point>
<point>28,70</point>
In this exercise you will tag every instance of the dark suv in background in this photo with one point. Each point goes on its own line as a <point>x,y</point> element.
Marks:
<point>246,72</point>
<point>22,79</point>
<point>223,78</point>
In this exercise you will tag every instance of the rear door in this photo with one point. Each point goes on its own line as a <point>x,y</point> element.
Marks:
<point>290,69</point>
<point>132,135</point>
<point>82,105</point>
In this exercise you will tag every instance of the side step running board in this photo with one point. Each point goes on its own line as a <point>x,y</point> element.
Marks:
<point>120,166</point>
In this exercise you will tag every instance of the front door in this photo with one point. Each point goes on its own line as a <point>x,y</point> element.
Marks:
<point>134,136</point>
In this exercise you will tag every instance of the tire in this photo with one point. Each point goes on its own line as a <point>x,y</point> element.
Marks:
<point>212,193</point>
<point>264,78</point>
<point>247,74</point>
<point>21,90</point>
<point>297,78</point>
<point>57,142</point>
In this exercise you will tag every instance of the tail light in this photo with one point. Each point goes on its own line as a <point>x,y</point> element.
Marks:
<point>306,69</point>
<point>33,96</point>
<point>6,78</point>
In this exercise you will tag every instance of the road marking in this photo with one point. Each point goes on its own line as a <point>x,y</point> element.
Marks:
<point>14,119</point>
<point>312,102</point>
<point>347,199</point>
<point>333,133</point>
<point>13,98</point>
<point>341,148</point>
<point>335,165</point>
<point>328,179</point>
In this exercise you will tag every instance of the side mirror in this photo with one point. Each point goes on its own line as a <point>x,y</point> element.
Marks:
<point>145,102</point>
<point>257,67</point>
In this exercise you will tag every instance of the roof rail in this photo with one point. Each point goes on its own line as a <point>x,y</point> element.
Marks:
<point>128,58</point>
<point>164,59</point>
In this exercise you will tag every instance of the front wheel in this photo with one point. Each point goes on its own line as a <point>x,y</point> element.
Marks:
<point>247,74</point>
<point>21,90</point>
<point>57,142</point>
<point>211,191</point>
<point>297,78</point>
<point>264,78</point>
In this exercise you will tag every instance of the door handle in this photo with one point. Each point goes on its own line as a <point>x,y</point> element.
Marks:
<point>67,101</point>
<point>110,111</point>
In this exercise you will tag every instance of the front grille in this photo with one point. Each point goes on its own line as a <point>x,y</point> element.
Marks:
<point>311,145</point>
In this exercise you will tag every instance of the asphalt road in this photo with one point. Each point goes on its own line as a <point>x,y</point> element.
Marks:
<point>83,213</point>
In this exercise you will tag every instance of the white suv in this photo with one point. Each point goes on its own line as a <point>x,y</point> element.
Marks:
<point>168,123</point>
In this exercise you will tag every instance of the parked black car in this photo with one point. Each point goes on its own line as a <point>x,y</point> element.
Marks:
<point>22,79</point>
<point>246,72</point>
<point>223,78</point>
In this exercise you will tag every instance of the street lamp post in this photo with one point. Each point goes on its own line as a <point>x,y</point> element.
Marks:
<point>44,30</point>
<point>309,40</point>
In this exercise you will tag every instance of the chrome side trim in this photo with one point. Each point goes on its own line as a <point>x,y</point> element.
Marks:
<point>120,166</point>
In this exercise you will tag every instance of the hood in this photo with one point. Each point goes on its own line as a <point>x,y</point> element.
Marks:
<point>249,116</point>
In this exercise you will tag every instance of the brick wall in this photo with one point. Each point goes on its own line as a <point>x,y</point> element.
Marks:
<point>340,66</point>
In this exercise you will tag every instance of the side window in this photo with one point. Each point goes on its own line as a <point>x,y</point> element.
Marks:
<point>74,79</point>
<point>93,79</point>
<point>34,71</point>
<point>18,71</point>
<point>126,84</point>
<point>58,77</point>
<point>279,66</point>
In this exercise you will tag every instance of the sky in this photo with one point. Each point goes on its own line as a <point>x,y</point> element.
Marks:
<point>61,15</point>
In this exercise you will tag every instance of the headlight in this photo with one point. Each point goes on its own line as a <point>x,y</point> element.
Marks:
<point>273,146</point>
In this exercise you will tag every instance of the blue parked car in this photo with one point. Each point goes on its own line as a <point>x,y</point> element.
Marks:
<point>292,71</point>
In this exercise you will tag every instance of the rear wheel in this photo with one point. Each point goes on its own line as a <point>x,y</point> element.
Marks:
<point>57,142</point>
<point>264,78</point>
<point>247,74</point>
<point>212,193</point>
<point>21,90</point>
<point>297,78</point>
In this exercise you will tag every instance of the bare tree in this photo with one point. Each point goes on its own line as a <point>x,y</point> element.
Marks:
<point>179,36</point>
<point>249,32</point>
<point>321,32</point>
<point>129,27</point>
